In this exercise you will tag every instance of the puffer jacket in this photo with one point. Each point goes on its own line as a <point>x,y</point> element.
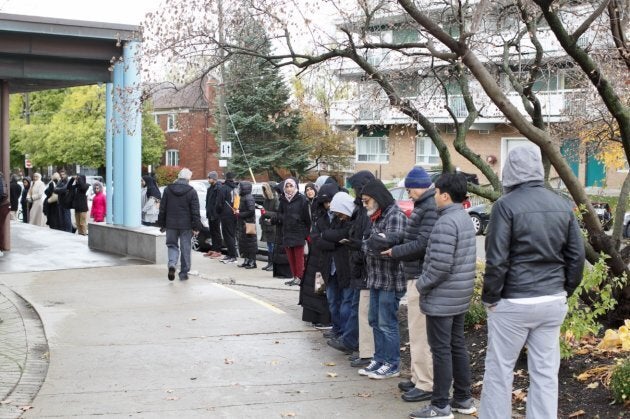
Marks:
<point>294,219</point>
<point>416,237</point>
<point>448,273</point>
<point>247,243</point>
<point>179,208</point>
<point>270,205</point>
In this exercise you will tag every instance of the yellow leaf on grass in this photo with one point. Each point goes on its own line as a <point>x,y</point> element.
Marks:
<point>584,376</point>
<point>576,414</point>
<point>593,385</point>
<point>331,374</point>
<point>610,341</point>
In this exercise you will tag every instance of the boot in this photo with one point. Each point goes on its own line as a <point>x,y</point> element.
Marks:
<point>244,264</point>
<point>268,266</point>
<point>252,264</point>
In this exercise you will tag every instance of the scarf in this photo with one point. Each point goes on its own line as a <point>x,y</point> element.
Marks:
<point>289,197</point>
<point>376,215</point>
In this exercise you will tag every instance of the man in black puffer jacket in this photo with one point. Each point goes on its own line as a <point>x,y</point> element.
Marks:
<point>226,212</point>
<point>179,217</point>
<point>534,260</point>
<point>411,253</point>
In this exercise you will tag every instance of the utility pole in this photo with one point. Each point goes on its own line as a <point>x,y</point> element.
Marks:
<point>221,90</point>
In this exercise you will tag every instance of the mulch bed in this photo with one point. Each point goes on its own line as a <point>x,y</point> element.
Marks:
<point>576,399</point>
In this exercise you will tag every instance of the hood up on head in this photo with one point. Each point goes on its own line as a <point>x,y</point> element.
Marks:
<point>523,164</point>
<point>377,190</point>
<point>343,203</point>
<point>359,179</point>
<point>326,193</point>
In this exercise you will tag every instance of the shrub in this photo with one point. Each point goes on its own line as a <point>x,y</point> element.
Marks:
<point>477,312</point>
<point>165,175</point>
<point>620,381</point>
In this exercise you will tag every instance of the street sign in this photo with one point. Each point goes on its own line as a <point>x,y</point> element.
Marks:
<point>27,162</point>
<point>226,149</point>
<point>222,163</point>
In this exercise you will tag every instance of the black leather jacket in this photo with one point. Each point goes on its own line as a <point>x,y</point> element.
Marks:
<point>533,247</point>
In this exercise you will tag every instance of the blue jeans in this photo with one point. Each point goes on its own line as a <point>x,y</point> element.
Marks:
<point>334,297</point>
<point>383,319</point>
<point>179,241</point>
<point>450,359</point>
<point>270,246</point>
<point>351,330</point>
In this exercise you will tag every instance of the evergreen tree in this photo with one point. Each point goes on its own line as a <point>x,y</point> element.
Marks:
<point>257,100</point>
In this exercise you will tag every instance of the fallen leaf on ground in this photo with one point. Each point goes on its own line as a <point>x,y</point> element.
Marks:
<point>519,395</point>
<point>170,391</point>
<point>172,398</point>
<point>520,373</point>
<point>277,342</point>
<point>478,383</point>
<point>193,318</point>
<point>364,395</point>
<point>583,351</point>
<point>329,364</point>
<point>3,402</point>
<point>593,385</point>
<point>25,408</point>
<point>274,362</point>
<point>228,361</point>
<point>331,374</point>
<point>288,414</point>
<point>576,414</point>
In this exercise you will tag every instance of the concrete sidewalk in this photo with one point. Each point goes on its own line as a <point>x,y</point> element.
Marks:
<point>124,341</point>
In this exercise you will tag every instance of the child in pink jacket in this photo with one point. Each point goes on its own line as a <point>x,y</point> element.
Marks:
<point>99,203</point>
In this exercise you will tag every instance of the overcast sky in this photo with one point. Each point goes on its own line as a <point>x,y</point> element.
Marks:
<point>130,12</point>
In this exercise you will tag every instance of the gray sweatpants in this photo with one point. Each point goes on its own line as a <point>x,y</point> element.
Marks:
<point>510,326</point>
<point>179,241</point>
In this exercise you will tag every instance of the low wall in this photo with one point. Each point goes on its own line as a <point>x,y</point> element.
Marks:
<point>140,242</point>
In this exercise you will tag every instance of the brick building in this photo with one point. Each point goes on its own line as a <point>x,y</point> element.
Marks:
<point>186,116</point>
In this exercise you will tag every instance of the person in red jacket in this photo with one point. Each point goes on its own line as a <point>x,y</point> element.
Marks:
<point>99,203</point>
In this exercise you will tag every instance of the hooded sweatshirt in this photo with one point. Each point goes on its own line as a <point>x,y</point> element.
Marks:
<point>533,247</point>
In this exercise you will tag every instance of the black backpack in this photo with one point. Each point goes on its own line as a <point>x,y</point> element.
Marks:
<point>66,198</point>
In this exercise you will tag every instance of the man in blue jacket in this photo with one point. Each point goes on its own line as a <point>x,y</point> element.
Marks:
<point>179,217</point>
<point>534,260</point>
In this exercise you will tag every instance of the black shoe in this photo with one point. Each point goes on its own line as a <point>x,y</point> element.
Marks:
<point>329,334</point>
<point>354,357</point>
<point>360,362</point>
<point>251,265</point>
<point>171,273</point>
<point>406,385</point>
<point>416,395</point>
<point>339,345</point>
<point>294,281</point>
<point>322,326</point>
<point>244,264</point>
<point>183,277</point>
<point>266,267</point>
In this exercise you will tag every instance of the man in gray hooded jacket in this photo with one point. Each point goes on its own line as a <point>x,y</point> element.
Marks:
<point>534,259</point>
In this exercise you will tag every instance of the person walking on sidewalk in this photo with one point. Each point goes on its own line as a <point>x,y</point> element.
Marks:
<point>246,213</point>
<point>534,260</point>
<point>226,195</point>
<point>179,217</point>
<point>214,222</point>
<point>446,287</point>
<point>384,278</point>
<point>411,253</point>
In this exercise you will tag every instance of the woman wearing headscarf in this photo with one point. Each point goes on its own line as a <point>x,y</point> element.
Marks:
<point>150,201</point>
<point>26,181</point>
<point>279,257</point>
<point>51,204</point>
<point>310,192</point>
<point>294,219</point>
<point>36,197</point>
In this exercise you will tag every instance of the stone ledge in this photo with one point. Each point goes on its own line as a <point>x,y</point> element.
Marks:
<point>139,242</point>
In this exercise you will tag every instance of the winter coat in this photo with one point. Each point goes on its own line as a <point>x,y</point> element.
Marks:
<point>179,208</point>
<point>225,199</point>
<point>383,272</point>
<point>333,251</point>
<point>36,194</point>
<point>79,203</point>
<point>16,191</point>
<point>211,201</point>
<point>99,207</point>
<point>359,229</point>
<point>270,205</point>
<point>23,202</point>
<point>533,245</point>
<point>247,243</point>
<point>448,273</point>
<point>416,236</point>
<point>294,219</point>
<point>53,216</point>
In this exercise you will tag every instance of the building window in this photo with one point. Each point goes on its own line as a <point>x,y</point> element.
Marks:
<point>372,149</point>
<point>426,152</point>
<point>156,119</point>
<point>172,157</point>
<point>171,122</point>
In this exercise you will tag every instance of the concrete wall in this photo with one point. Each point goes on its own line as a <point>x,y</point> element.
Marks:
<point>142,242</point>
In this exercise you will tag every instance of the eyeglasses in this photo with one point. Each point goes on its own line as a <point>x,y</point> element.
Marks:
<point>366,200</point>
<point>289,185</point>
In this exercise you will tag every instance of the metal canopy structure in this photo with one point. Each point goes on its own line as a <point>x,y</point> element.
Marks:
<point>38,53</point>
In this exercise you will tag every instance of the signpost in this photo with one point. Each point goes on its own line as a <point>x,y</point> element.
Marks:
<point>226,149</point>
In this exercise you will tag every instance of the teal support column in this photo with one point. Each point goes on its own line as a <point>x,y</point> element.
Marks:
<point>118,90</point>
<point>109,150</point>
<point>132,136</point>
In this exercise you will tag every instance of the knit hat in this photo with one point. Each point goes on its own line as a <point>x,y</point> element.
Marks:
<point>213,175</point>
<point>229,176</point>
<point>343,203</point>
<point>418,178</point>
<point>184,174</point>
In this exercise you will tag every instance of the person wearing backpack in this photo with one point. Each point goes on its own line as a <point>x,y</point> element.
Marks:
<point>227,214</point>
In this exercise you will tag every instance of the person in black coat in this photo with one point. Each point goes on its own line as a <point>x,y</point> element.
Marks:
<point>310,192</point>
<point>51,204</point>
<point>15,192</point>
<point>214,222</point>
<point>80,203</point>
<point>268,231</point>
<point>226,213</point>
<point>64,210</point>
<point>26,181</point>
<point>280,261</point>
<point>294,218</point>
<point>246,213</point>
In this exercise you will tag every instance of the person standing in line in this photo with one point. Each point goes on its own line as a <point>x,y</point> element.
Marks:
<point>26,206</point>
<point>446,287</point>
<point>99,203</point>
<point>36,198</point>
<point>64,210</point>
<point>358,326</point>
<point>268,231</point>
<point>51,203</point>
<point>214,222</point>
<point>79,203</point>
<point>310,192</point>
<point>5,208</point>
<point>225,210</point>
<point>15,192</point>
<point>534,260</point>
<point>294,218</point>
<point>411,253</point>
<point>179,217</point>
<point>151,197</point>
<point>384,278</point>
<point>246,214</point>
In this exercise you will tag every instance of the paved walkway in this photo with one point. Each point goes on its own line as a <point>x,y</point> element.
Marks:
<point>121,340</point>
